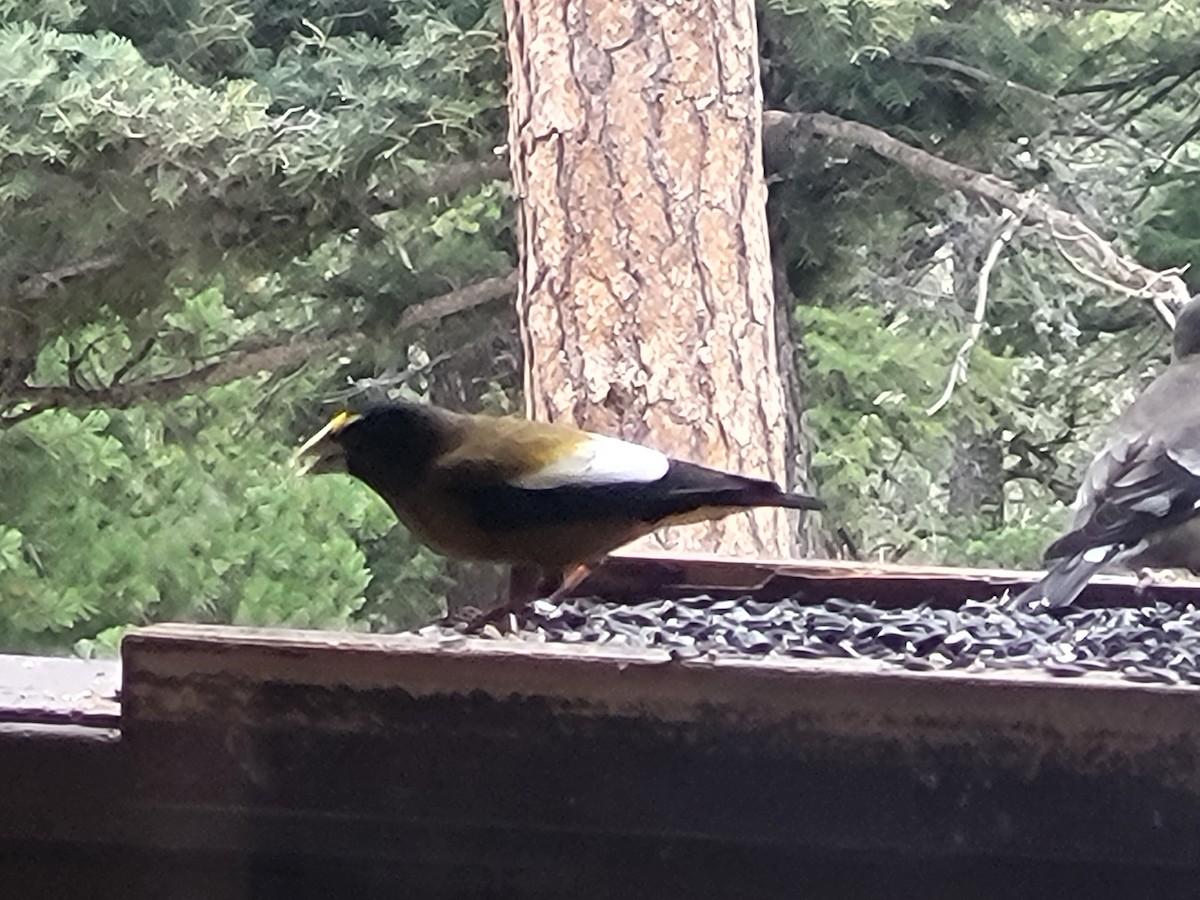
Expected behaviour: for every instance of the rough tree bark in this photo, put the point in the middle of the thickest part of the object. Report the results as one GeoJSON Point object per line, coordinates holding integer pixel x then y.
{"type": "Point", "coordinates": [645, 295]}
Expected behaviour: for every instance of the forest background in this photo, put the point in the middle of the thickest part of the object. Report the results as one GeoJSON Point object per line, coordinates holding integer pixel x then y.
{"type": "Point", "coordinates": [217, 219]}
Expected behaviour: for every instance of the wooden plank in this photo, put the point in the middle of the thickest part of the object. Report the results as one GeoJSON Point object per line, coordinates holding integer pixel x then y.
{"type": "Point", "coordinates": [291, 732]}
{"type": "Point", "coordinates": [52, 690]}
{"type": "Point", "coordinates": [61, 783]}
{"type": "Point", "coordinates": [292, 764]}
{"type": "Point", "coordinates": [645, 576]}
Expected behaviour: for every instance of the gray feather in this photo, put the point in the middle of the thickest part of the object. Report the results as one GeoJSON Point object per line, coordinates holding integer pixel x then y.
{"type": "Point", "coordinates": [1064, 581]}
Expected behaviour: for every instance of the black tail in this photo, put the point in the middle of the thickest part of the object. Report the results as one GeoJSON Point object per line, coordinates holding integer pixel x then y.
{"type": "Point", "coordinates": [795, 501]}
{"type": "Point", "coordinates": [751, 493]}
{"type": "Point", "coordinates": [688, 486]}
{"type": "Point", "coordinates": [1065, 581]}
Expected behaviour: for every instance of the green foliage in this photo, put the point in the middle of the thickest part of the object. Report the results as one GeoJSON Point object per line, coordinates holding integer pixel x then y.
{"type": "Point", "coordinates": [894, 63]}
{"type": "Point", "coordinates": [183, 180]}
{"type": "Point", "coordinates": [190, 511]}
{"type": "Point", "coordinates": [1052, 366]}
{"type": "Point", "coordinates": [249, 165]}
{"type": "Point", "coordinates": [877, 454]}
{"type": "Point", "coordinates": [1171, 236]}
{"type": "Point", "coordinates": [136, 516]}
{"type": "Point", "coordinates": [885, 265]}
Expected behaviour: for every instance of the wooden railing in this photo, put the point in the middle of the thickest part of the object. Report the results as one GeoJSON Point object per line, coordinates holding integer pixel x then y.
{"type": "Point", "coordinates": [251, 763]}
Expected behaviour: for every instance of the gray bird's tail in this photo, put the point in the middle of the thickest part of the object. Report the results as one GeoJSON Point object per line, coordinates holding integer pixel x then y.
{"type": "Point", "coordinates": [1063, 582]}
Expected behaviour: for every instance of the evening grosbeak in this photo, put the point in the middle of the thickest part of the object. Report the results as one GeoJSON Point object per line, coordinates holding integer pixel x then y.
{"type": "Point", "coordinates": [546, 498]}
{"type": "Point", "coordinates": [1137, 505]}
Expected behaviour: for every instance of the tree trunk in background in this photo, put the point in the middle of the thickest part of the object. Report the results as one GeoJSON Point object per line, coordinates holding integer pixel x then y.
{"type": "Point", "coordinates": [976, 489]}
{"type": "Point", "coordinates": [808, 535]}
{"type": "Point", "coordinates": [646, 300]}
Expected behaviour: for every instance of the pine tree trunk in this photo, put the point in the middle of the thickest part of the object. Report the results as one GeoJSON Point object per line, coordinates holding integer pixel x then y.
{"type": "Point", "coordinates": [807, 535]}
{"type": "Point", "coordinates": [646, 301]}
{"type": "Point", "coordinates": [977, 477]}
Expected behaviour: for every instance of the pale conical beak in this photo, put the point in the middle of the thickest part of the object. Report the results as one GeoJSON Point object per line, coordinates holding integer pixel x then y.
{"type": "Point", "coordinates": [321, 453]}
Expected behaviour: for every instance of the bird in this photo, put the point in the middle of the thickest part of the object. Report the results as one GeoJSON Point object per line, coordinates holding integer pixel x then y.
{"type": "Point", "coordinates": [547, 498]}
{"type": "Point", "coordinates": [1139, 503]}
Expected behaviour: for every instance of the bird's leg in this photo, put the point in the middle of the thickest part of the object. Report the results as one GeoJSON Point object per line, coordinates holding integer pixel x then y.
{"type": "Point", "coordinates": [526, 580]}
{"type": "Point", "coordinates": [572, 578]}
{"type": "Point", "coordinates": [523, 587]}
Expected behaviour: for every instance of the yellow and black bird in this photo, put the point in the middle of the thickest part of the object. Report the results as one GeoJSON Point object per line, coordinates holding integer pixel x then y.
{"type": "Point", "coordinates": [546, 498]}
{"type": "Point", "coordinates": [1139, 504]}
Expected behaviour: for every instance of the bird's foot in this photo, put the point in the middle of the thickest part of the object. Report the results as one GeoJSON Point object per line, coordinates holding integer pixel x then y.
{"type": "Point", "coordinates": [1148, 577]}
{"type": "Point", "coordinates": [506, 618]}
{"type": "Point", "coordinates": [457, 617]}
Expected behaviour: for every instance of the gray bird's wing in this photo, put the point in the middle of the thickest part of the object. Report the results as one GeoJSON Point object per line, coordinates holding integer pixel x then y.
{"type": "Point", "coordinates": [1146, 478]}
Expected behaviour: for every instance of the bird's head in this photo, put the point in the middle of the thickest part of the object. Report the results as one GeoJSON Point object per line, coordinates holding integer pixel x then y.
{"type": "Point", "coordinates": [389, 445]}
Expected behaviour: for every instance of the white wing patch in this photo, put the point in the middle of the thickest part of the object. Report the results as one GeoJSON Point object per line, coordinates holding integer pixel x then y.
{"type": "Point", "coordinates": [598, 460]}
{"type": "Point", "coordinates": [1154, 505]}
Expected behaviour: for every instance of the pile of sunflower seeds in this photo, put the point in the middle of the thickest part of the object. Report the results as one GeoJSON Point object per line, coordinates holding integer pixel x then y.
{"type": "Point", "coordinates": [1158, 643]}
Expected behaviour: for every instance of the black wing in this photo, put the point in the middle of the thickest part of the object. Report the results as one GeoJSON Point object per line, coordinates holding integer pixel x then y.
{"type": "Point", "coordinates": [685, 488]}
{"type": "Point", "coordinates": [1132, 490]}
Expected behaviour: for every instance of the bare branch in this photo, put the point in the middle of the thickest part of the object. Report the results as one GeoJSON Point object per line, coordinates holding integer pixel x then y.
{"type": "Point", "coordinates": [448, 179]}
{"type": "Point", "coordinates": [1097, 129]}
{"type": "Point", "coordinates": [464, 298]}
{"type": "Point", "coordinates": [958, 369]}
{"type": "Point", "coordinates": [77, 359]}
{"type": "Point", "coordinates": [977, 74]}
{"type": "Point", "coordinates": [1064, 241]}
{"type": "Point", "coordinates": [232, 367]}
{"type": "Point", "coordinates": [244, 363]}
{"type": "Point", "coordinates": [389, 380]}
{"type": "Point", "coordinates": [1168, 158]}
{"type": "Point", "coordinates": [1070, 8]}
{"type": "Point", "coordinates": [7, 421]}
{"type": "Point", "coordinates": [1179, 69]}
{"type": "Point", "coordinates": [39, 285]}
{"type": "Point", "coordinates": [1102, 260]}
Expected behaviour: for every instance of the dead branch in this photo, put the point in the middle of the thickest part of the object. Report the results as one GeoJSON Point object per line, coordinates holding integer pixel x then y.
{"type": "Point", "coordinates": [1097, 129]}
{"type": "Point", "coordinates": [958, 369]}
{"type": "Point", "coordinates": [1090, 251]}
{"type": "Point", "coordinates": [977, 74]}
{"type": "Point", "coordinates": [134, 360]}
{"type": "Point", "coordinates": [40, 284]}
{"type": "Point", "coordinates": [460, 300]}
{"type": "Point", "coordinates": [1179, 69]}
{"type": "Point", "coordinates": [241, 364]}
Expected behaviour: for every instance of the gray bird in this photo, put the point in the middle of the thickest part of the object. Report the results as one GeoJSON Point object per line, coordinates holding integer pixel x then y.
{"type": "Point", "coordinates": [1138, 503]}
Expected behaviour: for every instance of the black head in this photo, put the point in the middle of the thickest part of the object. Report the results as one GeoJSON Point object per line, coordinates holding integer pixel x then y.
{"type": "Point", "coordinates": [389, 446]}
{"type": "Point", "coordinates": [1186, 341]}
